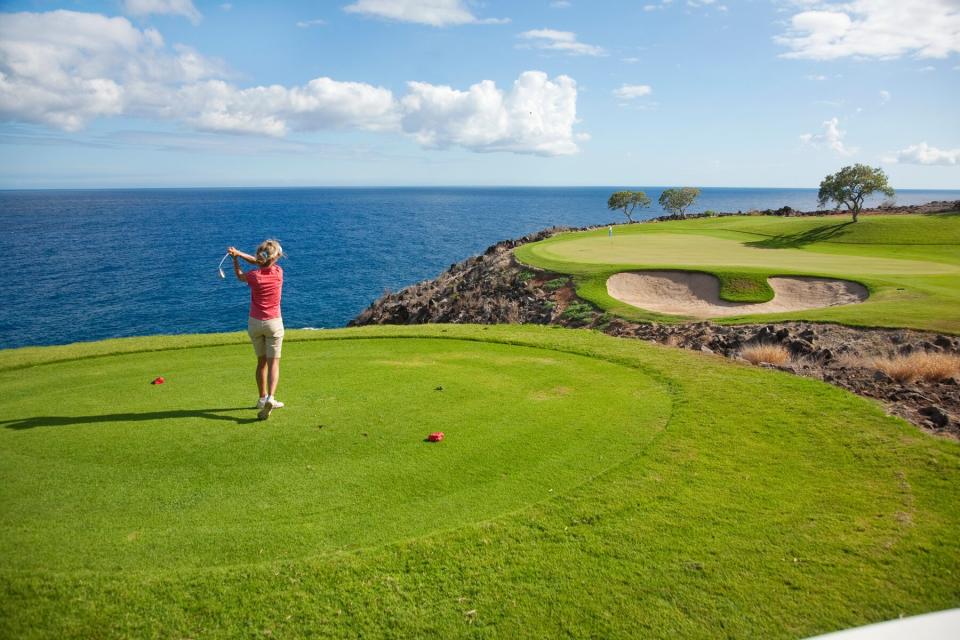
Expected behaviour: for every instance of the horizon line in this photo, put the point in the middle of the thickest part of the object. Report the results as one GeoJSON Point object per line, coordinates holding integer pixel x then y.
{"type": "Point", "coordinates": [425, 186]}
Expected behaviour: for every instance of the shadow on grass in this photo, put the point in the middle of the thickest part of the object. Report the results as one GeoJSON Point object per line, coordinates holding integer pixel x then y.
{"type": "Point", "coordinates": [66, 421]}
{"type": "Point", "coordinates": [797, 240]}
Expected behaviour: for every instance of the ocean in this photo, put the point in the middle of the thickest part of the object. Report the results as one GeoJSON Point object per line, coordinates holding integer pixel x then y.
{"type": "Point", "coordinates": [92, 264]}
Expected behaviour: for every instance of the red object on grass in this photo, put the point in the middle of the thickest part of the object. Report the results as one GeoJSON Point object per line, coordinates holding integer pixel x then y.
{"type": "Point", "coordinates": [435, 437]}
{"type": "Point", "coordinates": [159, 380]}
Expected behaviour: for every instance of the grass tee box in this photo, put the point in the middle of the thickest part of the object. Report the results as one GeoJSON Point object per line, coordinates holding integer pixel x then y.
{"type": "Point", "coordinates": [909, 263]}
{"type": "Point", "coordinates": [585, 486]}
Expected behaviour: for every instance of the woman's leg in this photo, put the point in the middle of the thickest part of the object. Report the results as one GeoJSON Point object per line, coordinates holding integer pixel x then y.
{"type": "Point", "coordinates": [262, 376]}
{"type": "Point", "coordinates": [274, 375]}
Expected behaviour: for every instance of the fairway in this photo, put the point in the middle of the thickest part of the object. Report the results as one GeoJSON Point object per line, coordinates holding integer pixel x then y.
{"type": "Point", "coordinates": [909, 263]}
{"type": "Point", "coordinates": [683, 493]}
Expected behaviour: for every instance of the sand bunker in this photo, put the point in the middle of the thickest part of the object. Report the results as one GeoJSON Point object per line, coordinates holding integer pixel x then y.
{"type": "Point", "coordinates": [698, 294]}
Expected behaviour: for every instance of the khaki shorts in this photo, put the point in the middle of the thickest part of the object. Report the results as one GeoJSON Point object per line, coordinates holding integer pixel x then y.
{"type": "Point", "coordinates": [267, 336]}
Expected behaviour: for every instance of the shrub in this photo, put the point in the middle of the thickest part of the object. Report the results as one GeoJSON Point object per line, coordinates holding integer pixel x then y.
{"type": "Point", "coordinates": [604, 321]}
{"type": "Point", "coordinates": [920, 365]}
{"type": "Point", "coordinates": [556, 283]}
{"type": "Point", "coordinates": [768, 353]}
{"type": "Point", "coordinates": [525, 275]}
{"type": "Point", "coordinates": [578, 312]}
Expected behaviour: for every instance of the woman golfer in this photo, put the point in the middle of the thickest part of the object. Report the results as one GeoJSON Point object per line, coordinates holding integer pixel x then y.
{"type": "Point", "coordinates": [265, 325]}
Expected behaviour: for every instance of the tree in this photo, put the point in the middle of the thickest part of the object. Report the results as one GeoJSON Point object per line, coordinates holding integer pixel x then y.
{"type": "Point", "coordinates": [676, 201]}
{"type": "Point", "coordinates": [851, 185]}
{"type": "Point", "coordinates": [628, 201]}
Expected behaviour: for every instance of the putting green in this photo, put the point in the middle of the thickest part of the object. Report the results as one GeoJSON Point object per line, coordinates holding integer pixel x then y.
{"type": "Point", "coordinates": [125, 475]}
{"type": "Point", "coordinates": [909, 263]}
{"type": "Point", "coordinates": [587, 487]}
{"type": "Point", "coordinates": [709, 251]}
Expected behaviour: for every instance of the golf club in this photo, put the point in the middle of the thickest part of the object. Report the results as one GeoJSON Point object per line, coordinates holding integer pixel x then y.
{"type": "Point", "coordinates": [223, 276]}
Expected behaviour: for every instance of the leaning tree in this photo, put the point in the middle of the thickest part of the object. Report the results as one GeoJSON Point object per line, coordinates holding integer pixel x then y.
{"type": "Point", "coordinates": [851, 185]}
{"type": "Point", "coordinates": [628, 201]}
{"type": "Point", "coordinates": [676, 201]}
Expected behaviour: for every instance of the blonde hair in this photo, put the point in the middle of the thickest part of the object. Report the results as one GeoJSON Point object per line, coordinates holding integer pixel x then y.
{"type": "Point", "coordinates": [269, 252]}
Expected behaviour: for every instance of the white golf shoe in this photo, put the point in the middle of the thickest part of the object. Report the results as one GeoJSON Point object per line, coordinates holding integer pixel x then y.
{"type": "Point", "coordinates": [268, 406]}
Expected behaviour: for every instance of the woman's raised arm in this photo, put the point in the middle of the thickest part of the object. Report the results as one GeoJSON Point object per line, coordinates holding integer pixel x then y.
{"type": "Point", "coordinates": [236, 253]}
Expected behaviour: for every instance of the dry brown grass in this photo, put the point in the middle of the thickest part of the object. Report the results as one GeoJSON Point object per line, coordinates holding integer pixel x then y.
{"type": "Point", "coordinates": [769, 353]}
{"type": "Point", "coordinates": [919, 366]}
{"type": "Point", "coordinates": [851, 361]}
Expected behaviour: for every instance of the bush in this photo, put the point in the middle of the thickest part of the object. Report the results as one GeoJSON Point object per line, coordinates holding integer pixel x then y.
{"type": "Point", "coordinates": [768, 353]}
{"type": "Point", "coordinates": [578, 312]}
{"type": "Point", "coordinates": [930, 367]}
{"type": "Point", "coordinates": [556, 283]}
{"type": "Point", "coordinates": [604, 321]}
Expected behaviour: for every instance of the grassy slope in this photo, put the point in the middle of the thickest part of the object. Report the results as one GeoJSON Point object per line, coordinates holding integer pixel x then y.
{"type": "Point", "coordinates": [765, 505]}
{"type": "Point", "coordinates": [911, 264]}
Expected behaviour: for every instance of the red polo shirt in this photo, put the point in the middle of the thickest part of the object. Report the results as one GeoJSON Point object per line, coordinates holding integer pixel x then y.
{"type": "Point", "coordinates": [266, 285]}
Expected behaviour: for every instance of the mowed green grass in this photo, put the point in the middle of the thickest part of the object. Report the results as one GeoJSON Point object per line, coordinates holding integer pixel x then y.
{"type": "Point", "coordinates": [909, 263]}
{"type": "Point", "coordinates": [588, 486]}
{"type": "Point", "coordinates": [345, 466]}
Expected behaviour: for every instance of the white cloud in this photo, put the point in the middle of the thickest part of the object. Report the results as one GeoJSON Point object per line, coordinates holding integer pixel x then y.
{"type": "Point", "coordinates": [143, 8]}
{"type": "Point", "coordinates": [560, 4]}
{"type": "Point", "coordinates": [632, 60]}
{"type": "Point", "coordinates": [306, 24]}
{"type": "Point", "coordinates": [706, 5]}
{"type": "Point", "coordinates": [630, 91]}
{"type": "Point", "coordinates": [226, 6]}
{"type": "Point", "coordinates": [873, 29]}
{"type": "Point", "coordinates": [437, 13]}
{"type": "Point", "coordinates": [275, 110]}
{"type": "Point", "coordinates": [816, 77]}
{"type": "Point", "coordinates": [832, 138]}
{"type": "Point", "coordinates": [884, 96]}
{"type": "Point", "coordinates": [925, 154]}
{"type": "Point", "coordinates": [64, 69]}
{"type": "Point", "coordinates": [536, 116]}
{"type": "Point", "coordinates": [563, 41]}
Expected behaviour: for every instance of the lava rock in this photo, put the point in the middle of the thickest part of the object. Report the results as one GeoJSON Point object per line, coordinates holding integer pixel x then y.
{"type": "Point", "coordinates": [943, 342]}
{"type": "Point", "coordinates": [799, 347]}
{"type": "Point", "coordinates": [936, 415]}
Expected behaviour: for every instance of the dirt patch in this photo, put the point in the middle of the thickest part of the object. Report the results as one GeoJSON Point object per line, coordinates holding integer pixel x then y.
{"type": "Point", "coordinates": [551, 394]}
{"type": "Point", "coordinates": [697, 295]}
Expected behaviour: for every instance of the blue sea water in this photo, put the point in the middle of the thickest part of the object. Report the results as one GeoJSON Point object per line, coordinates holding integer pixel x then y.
{"type": "Point", "coordinates": [94, 264]}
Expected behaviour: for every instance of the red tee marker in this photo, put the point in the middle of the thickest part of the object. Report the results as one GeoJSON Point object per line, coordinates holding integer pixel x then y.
{"type": "Point", "coordinates": [159, 380]}
{"type": "Point", "coordinates": [435, 437]}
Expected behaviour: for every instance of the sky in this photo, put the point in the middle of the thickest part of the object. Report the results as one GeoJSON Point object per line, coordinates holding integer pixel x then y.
{"type": "Point", "coordinates": [710, 93]}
